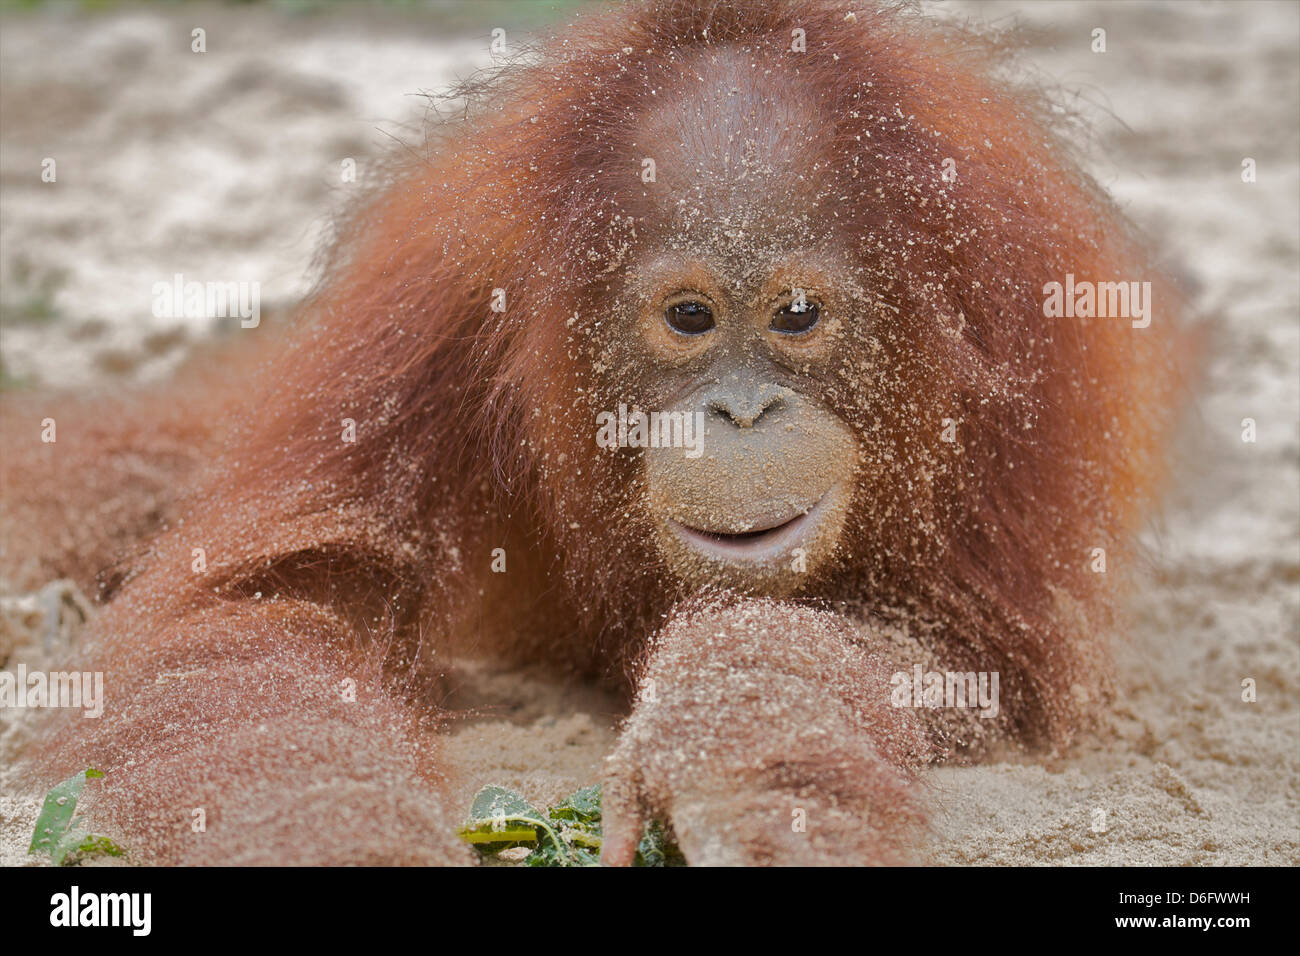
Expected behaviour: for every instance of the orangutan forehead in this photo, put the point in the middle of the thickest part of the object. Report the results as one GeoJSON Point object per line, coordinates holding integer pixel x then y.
{"type": "Point", "coordinates": [731, 147]}
{"type": "Point", "coordinates": [733, 116]}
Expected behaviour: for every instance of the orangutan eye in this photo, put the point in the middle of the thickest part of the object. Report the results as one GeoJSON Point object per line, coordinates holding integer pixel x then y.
{"type": "Point", "coordinates": [689, 318]}
{"type": "Point", "coordinates": [799, 316]}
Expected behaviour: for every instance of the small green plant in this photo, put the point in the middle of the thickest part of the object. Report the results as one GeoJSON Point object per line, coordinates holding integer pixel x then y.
{"type": "Point", "coordinates": [58, 832]}
{"type": "Point", "coordinates": [567, 834]}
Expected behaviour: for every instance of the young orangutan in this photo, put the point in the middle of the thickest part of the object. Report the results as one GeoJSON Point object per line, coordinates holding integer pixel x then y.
{"type": "Point", "coordinates": [816, 239]}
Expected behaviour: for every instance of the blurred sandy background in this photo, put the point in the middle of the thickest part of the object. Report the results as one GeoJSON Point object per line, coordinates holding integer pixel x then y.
{"type": "Point", "coordinates": [226, 166]}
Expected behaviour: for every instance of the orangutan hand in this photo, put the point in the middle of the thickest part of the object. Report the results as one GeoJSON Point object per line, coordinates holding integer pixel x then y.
{"type": "Point", "coordinates": [763, 734]}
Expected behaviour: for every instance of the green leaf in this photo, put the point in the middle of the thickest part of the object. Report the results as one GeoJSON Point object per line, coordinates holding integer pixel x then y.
{"type": "Point", "coordinates": [655, 849]}
{"type": "Point", "coordinates": [568, 834]}
{"type": "Point", "coordinates": [581, 806]}
{"type": "Point", "coordinates": [500, 818]}
{"type": "Point", "coordinates": [577, 826]}
{"type": "Point", "coordinates": [486, 834]}
{"type": "Point", "coordinates": [57, 830]}
{"type": "Point", "coordinates": [493, 803]}
{"type": "Point", "coordinates": [100, 844]}
{"type": "Point", "coordinates": [56, 814]}
{"type": "Point", "coordinates": [555, 855]}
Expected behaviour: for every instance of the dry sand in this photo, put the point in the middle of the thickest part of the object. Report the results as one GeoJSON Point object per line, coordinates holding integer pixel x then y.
{"type": "Point", "coordinates": [227, 170]}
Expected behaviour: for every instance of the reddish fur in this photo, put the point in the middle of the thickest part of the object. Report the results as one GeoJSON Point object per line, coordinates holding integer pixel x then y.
{"type": "Point", "coordinates": [366, 556]}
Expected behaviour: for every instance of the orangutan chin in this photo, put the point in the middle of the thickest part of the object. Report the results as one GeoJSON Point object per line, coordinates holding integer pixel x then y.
{"type": "Point", "coordinates": [817, 229]}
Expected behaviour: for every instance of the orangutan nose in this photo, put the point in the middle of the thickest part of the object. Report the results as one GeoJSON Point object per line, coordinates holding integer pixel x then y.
{"type": "Point", "coordinates": [746, 403]}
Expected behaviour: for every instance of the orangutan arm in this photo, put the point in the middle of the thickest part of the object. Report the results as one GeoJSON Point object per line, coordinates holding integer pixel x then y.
{"type": "Point", "coordinates": [268, 720]}
{"type": "Point", "coordinates": [753, 718]}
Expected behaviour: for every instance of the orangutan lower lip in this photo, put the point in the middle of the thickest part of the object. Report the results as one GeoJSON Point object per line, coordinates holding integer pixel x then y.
{"type": "Point", "coordinates": [759, 545]}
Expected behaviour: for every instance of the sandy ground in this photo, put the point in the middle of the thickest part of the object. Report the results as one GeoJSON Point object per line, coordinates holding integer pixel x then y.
{"type": "Point", "coordinates": [227, 166]}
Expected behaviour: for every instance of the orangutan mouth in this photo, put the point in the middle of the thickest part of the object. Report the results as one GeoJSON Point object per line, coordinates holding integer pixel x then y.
{"type": "Point", "coordinates": [758, 544]}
